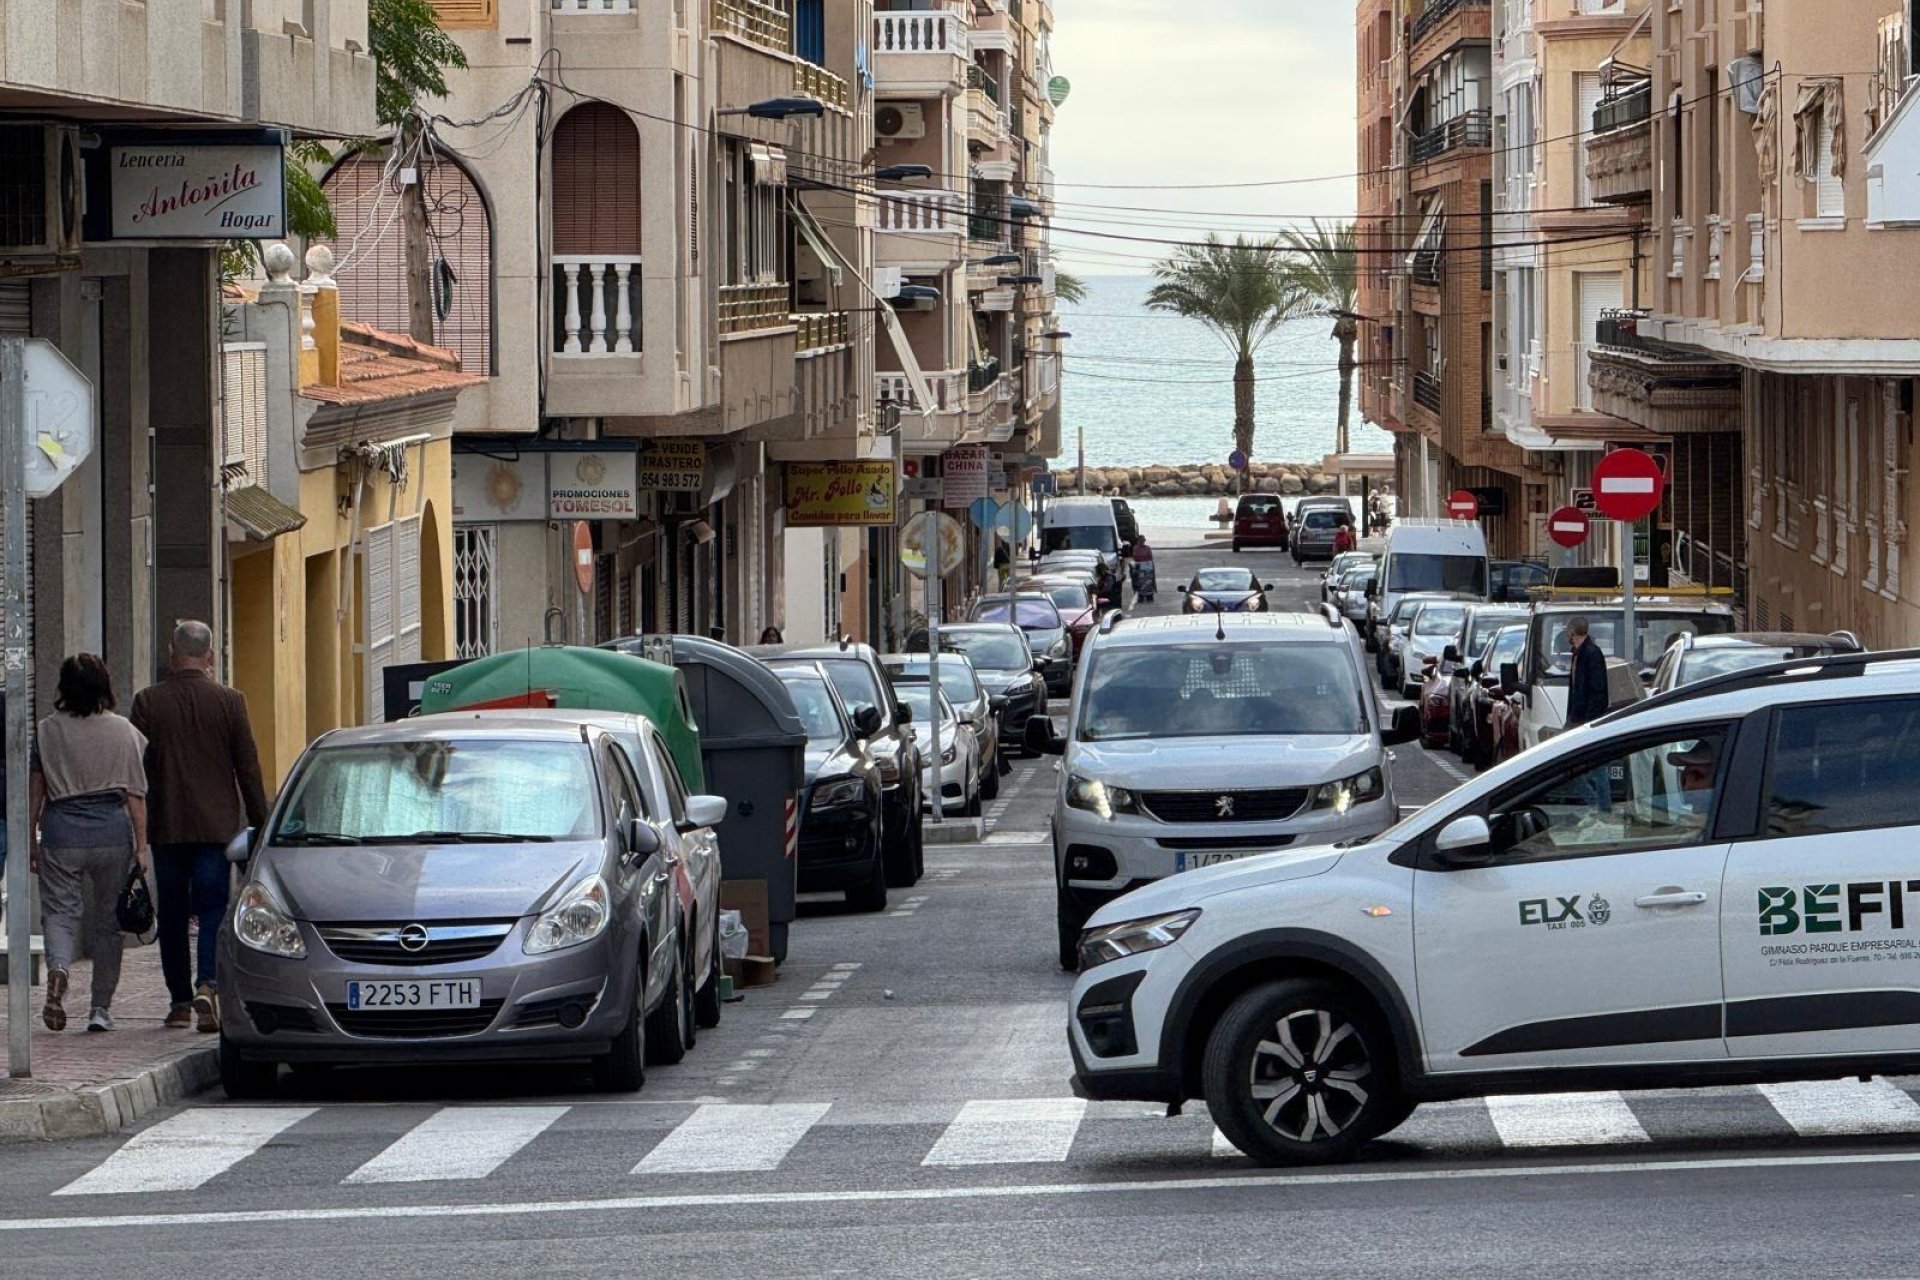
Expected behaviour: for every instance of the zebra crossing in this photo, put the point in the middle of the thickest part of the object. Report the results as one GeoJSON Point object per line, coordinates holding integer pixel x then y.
{"type": "Point", "coordinates": [217, 1146]}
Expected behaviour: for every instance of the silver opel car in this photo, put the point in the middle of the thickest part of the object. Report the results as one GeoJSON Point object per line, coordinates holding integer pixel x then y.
{"type": "Point", "coordinates": [481, 890]}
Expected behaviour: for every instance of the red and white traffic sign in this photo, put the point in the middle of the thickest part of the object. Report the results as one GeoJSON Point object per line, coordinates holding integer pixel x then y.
{"type": "Point", "coordinates": [1569, 527]}
{"type": "Point", "coordinates": [1627, 485]}
{"type": "Point", "coordinates": [1462, 505]}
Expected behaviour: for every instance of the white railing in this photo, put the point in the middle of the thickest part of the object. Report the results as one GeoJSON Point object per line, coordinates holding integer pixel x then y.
{"type": "Point", "coordinates": [949, 389]}
{"type": "Point", "coordinates": [596, 301]}
{"type": "Point", "coordinates": [1716, 245]}
{"type": "Point", "coordinates": [1046, 373]}
{"type": "Point", "coordinates": [1756, 248]}
{"type": "Point", "coordinates": [593, 6]}
{"type": "Point", "coordinates": [919, 211]}
{"type": "Point", "coordinates": [919, 31]}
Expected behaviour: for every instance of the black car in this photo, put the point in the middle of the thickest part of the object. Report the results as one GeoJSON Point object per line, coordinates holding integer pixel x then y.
{"type": "Point", "coordinates": [1045, 628]}
{"type": "Point", "coordinates": [862, 681]}
{"type": "Point", "coordinates": [1125, 520]}
{"type": "Point", "coordinates": [1512, 581]}
{"type": "Point", "coordinates": [1228, 590]}
{"type": "Point", "coordinates": [1004, 662]}
{"type": "Point", "coordinates": [842, 839]}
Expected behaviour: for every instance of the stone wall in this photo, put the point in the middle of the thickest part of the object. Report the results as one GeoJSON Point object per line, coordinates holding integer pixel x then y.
{"type": "Point", "coordinates": [1211, 480]}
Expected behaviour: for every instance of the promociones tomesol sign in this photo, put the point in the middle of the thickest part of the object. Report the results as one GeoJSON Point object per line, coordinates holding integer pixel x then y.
{"type": "Point", "coordinates": [829, 494]}
{"type": "Point", "coordinates": [199, 191]}
{"type": "Point", "coordinates": [592, 486]}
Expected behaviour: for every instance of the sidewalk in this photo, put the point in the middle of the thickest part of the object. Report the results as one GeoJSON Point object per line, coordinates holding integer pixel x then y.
{"type": "Point", "coordinates": [85, 1084]}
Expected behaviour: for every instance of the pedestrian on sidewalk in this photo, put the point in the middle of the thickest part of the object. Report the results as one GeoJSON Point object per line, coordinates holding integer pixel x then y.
{"type": "Point", "coordinates": [205, 774]}
{"type": "Point", "coordinates": [87, 793]}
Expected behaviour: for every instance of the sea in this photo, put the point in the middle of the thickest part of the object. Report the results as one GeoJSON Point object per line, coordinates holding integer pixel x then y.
{"type": "Point", "coordinates": [1152, 388]}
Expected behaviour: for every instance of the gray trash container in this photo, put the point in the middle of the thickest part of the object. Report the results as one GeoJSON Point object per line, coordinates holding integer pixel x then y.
{"type": "Point", "coordinates": [753, 747]}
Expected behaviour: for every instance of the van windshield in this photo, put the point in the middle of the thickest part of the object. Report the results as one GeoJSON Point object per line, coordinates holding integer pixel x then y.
{"type": "Point", "coordinates": [1079, 537]}
{"type": "Point", "coordinates": [1455, 575]}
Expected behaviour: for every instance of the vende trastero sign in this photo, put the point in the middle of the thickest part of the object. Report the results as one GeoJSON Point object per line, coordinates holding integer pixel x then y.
{"type": "Point", "coordinates": [194, 191]}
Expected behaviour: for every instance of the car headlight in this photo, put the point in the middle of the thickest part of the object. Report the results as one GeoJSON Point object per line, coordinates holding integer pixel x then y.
{"type": "Point", "coordinates": [949, 755]}
{"type": "Point", "coordinates": [1058, 649]}
{"type": "Point", "coordinates": [1097, 797]}
{"type": "Point", "coordinates": [1343, 795]}
{"type": "Point", "coordinates": [1131, 937]}
{"type": "Point", "coordinates": [840, 791]}
{"type": "Point", "coordinates": [580, 916]}
{"type": "Point", "coordinates": [261, 923]}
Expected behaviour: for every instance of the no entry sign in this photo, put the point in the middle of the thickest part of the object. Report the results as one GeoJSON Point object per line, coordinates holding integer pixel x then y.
{"type": "Point", "coordinates": [1627, 485]}
{"type": "Point", "coordinates": [1462, 505]}
{"type": "Point", "coordinates": [1569, 527]}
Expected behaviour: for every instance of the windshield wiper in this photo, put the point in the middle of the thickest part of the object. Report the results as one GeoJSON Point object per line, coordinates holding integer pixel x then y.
{"type": "Point", "coordinates": [466, 837]}
{"type": "Point", "coordinates": [317, 837]}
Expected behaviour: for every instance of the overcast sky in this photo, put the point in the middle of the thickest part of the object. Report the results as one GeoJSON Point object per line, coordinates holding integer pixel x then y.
{"type": "Point", "coordinates": [1198, 91]}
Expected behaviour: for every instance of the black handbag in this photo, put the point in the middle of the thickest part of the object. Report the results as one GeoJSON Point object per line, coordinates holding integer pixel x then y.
{"type": "Point", "coordinates": [135, 908]}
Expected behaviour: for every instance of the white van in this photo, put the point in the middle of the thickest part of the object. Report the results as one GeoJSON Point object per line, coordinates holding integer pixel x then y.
{"type": "Point", "coordinates": [1448, 556]}
{"type": "Point", "coordinates": [1081, 523]}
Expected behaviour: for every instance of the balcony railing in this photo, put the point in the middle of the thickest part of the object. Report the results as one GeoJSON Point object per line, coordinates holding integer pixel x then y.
{"type": "Point", "coordinates": [593, 6]}
{"type": "Point", "coordinates": [1629, 106]}
{"type": "Point", "coordinates": [981, 377]}
{"type": "Point", "coordinates": [818, 331]}
{"type": "Point", "coordinates": [755, 22]}
{"type": "Point", "coordinates": [1469, 129]}
{"type": "Point", "coordinates": [1426, 390]}
{"type": "Point", "coordinates": [1437, 12]}
{"type": "Point", "coordinates": [1620, 330]}
{"type": "Point", "coordinates": [818, 82]}
{"type": "Point", "coordinates": [977, 78]}
{"type": "Point", "coordinates": [595, 300]}
{"type": "Point", "coordinates": [920, 211]}
{"type": "Point", "coordinates": [949, 389]}
{"type": "Point", "coordinates": [746, 307]}
{"type": "Point", "coordinates": [919, 31]}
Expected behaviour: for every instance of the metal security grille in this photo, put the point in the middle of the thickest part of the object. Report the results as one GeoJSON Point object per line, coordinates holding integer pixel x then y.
{"type": "Point", "coordinates": [476, 624]}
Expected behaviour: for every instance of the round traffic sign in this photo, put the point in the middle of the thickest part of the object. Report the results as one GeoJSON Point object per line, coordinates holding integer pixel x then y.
{"type": "Point", "coordinates": [1569, 527]}
{"type": "Point", "coordinates": [1462, 505]}
{"type": "Point", "coordinates": [583, 556]}
{"type": "Point", "coordinates": [1237, 460]}
{"type": "Point", "coordinates": [1627, 485]}
{"type": "Point", "coordinates": [932, 534]}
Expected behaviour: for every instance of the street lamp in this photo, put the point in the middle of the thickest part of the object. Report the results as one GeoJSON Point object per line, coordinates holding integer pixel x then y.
{"type": "Point", "coordinates": [778, 108]}
{"type": "Point", "coordinates": [904, 173]}
{"type": "Point", "coordinates": [1001, 260]}
{"type": "Point", "coordinates": [1023, 280]}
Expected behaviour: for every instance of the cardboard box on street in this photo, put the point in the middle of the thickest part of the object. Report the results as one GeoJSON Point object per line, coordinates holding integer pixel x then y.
{"type": "Point", "coordinates": [749, 898]}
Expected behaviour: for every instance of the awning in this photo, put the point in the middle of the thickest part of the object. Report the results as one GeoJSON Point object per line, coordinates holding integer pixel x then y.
{"type": "Point", "coordinates": [816, 239]}
{"type": "Point", "coordinates": [1428, 240]}
{"type": "Point", "coordinates": [261, 516]}
{"type": "Point", "coordinates": [1021, 207]}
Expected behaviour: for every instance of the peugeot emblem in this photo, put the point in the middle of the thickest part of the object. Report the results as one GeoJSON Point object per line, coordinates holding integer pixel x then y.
{"type": "Point", "coordinates": [1223, 806]}
{"type": "Point", "coordinates": [414, 938]}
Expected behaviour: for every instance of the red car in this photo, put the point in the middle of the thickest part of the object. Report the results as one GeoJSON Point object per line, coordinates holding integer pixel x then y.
{"type": "Point", "coordinates": [1074, 598]}
{"type": "Point", "coordinates": [1436, 702]}
{"type": "Point", "coordinates": [1492, 731]}
{"type": "Point", "coordinates": [1259, 521]}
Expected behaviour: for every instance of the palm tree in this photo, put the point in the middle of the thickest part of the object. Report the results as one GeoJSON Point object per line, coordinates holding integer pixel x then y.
{"type": "Point", "coordinates": [1242, 292]}
{"type": "Point", "coordinates": [1325, 266]}
{"type": "Point", "coordinates": [1069, 288]}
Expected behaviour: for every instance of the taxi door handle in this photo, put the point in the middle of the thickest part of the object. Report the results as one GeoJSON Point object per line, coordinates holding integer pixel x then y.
{"type": "Point", "coordinates": [1671, 898]}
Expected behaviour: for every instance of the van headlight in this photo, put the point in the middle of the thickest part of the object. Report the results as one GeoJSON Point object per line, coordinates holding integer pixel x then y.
{"type": "Point", "coordinates": [262, 923]}
{"type": "Point", "coordinates": [1097, 797]}
{"type": "Point", "coordinates": [1131, 937]}
{"type": "Point", "coordinates": [581, 916]}
{"type": "Point", "coordinates": [1343, 795]}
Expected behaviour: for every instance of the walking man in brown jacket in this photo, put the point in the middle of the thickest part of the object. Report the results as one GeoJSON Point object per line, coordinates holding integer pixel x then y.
{"type": "Point", "coordinates": [203, 786]}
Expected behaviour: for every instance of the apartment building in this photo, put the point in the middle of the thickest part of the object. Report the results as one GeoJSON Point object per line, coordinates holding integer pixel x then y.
{"type": "Point", "coordinates": [120, 119]}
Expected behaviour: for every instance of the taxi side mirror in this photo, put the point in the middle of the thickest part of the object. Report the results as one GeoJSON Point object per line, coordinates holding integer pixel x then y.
{"type": "Point", "coordinates": [1467, 841]}
{"type": "Point", "coordinates": [1510, 675]}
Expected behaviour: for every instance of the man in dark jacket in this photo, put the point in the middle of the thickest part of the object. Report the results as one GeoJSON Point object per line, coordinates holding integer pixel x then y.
{"type": "Point", "coordinates": [1587, 700]}
{"type": "Point", "coordinates": [203, 779]}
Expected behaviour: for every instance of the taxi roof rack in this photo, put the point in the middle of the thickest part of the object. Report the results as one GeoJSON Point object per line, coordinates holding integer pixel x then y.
{"type": "Point", "coordinates": [1794, 671]}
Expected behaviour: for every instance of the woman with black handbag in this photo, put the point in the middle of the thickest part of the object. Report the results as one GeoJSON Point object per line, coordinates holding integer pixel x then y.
{"type": "Point", "coordinates": [88, 792]}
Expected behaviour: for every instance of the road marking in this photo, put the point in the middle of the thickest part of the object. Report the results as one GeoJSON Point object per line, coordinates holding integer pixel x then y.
{"type": "Point", "coordinates": [1009, 1131]}
{"type": "Point", "coordinates": [846, 968]}
{"type": "Point", "coordinates": [910, 1195]}
{"type": "Point", "coordinates": [186, 1151]}
{"type": "Point", "coordinates": [1564, 1119]}
{"type": "Point", "coordinates": [1018, 837]}
{"type": "Point", "coordinates": [1449, 768]}
{"type": "Point", "coordinates": [728, 1138]}
{"type": "Point", "coordinates": [1223, 1147]}
{"type": "Point", "coordinates": [815, 995]}
{"type": "Point", "coordinates": [458, 1142]}
{"type": "Point", "coordinates": [1823, 1108]}
{"type": "Point", "coordinates": [799, 1013]}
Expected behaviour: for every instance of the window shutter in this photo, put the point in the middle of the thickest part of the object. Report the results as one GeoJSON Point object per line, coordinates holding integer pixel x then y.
{"type": "Point", "coordinates": [243, 408]}
{"type": "Point", "coordinates": [16, 309]}
{"type": "Point", "coordinates": [406, 589]}
{"type": "Point", "coordinates": [456, 14]}
{"type": "Point", "coordinates": [596, 182]}
{"type": "Point", "coordinates": [1829, 192]}
{"type": "Point", "coordinates": [376, 570]}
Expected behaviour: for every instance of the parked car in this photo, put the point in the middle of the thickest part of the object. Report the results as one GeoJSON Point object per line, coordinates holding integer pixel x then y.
{"type": "Point", "coordinates": [1513, 581]}
{"type": "Point", "coordinates": [1697, 657]}
{"type": "Point", "coordinates": [1004, 661]}
{"type": "Point", "coordinates": [958, 780]}
{"type": "Point", "coordinates": [1314, 531]}
{"type": "Point", "coordinates": [969, 698]}
{"type": "Point", "coordinates": [1081, 523]}
{"type": "Point", "coordinates": [457, 892]}
{"type": "Point", "coordinates": [1435, 628]}
{"type": "Point", "coordinates": [1040, 622]}
{"type": "Point", "coordinates": [1460, 666]}
{"type": "Point", "coordinates": [862, 681]}
{"type": "Point", "coordinates": [1479, 739]}
{"type": "Point", "coordinates": [1225, 590]}
{"type": "Point", "coordinates": [1259, 520]}
{"type": "Point", "coordinates": [842, 807]}
{"type": "Point", "coordinates": [1073, 596]}
{"type": "Point", "coordinates": [1349, 595]}
{"type": "Point", "coordinates": [1389, 657]}
{"type": "Point", "coordinates": [1185, 750]}
{"type": "Point", "coordinates": [1337, 569]}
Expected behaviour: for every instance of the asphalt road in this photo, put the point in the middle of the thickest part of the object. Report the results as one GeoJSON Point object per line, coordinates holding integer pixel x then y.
{"type": "Point", "coordinates": [897, 1105]}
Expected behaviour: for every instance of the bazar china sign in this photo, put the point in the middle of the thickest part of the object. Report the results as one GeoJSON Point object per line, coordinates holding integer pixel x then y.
{"type": "Point", "coordinates": [825, 494]}
{"type": "Point", "coordinates": [191, 191]}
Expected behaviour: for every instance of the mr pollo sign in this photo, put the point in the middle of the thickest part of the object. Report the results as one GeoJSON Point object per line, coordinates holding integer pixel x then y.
{"type": "Point", "coordinates": [198, 191]}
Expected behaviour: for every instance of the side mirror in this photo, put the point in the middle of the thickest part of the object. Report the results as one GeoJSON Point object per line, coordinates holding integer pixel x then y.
{"type": "Point", "coordinates": [1452, 654]}
{"type": "Point", "coordinates": [998, 702]}
{"type": "Point", "coordinates": [1266, 586]}
{"type": "Point", "coordinates": [240, 848]}
{"type": "Point", "coordinates": [1510, 675]}
{"type": "Point", "coordinates": [1467, 841]}
{"type": "Point", "coordinates": [643, 840]}
{"type": "Point", "coordinates": [705, 811]}
{"type": "Point", "coordinates": [1404, 728]}
{"type": "Point", "coordinates": [866, 721]}
{"type": "Point", "coordinates": [902, 712]}
{"type": "Point", "coordinates": [1041, 738]}
{"type": "Point", "coordinates": [1477, 670]}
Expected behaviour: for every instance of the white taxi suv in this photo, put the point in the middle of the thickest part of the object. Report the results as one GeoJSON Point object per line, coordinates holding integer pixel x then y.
{"type": "Point", "coordinates": [1710, 887]}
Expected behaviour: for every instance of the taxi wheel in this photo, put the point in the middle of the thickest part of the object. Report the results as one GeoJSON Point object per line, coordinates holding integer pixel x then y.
{"type": "Point", "coordinates": [245, 1081]}
{"type": "Point", "coordinates": [623, 1068]}
{"type": "Point", "coordinates": [1301, 1072]}
{"type": "Point", "coordinates": [668, 1025]}
{"type": "Point", "coordinates": [706, 1000]}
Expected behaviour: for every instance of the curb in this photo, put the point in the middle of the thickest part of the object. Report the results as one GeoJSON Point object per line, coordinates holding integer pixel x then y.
{"type": "Point", "coordinates": [954, 831]}
{"type": "Point", "coordinates": [94, 1109]}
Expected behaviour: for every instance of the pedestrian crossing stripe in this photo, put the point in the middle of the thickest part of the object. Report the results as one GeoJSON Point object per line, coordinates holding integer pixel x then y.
{"type": "Point", "coordinates": [191, 1148]}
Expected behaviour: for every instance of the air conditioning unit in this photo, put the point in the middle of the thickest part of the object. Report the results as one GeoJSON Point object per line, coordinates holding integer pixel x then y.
{"type": "Point", "coordinates": [43, 217]}
{"type": "Point", "coordinates": [900, 120]}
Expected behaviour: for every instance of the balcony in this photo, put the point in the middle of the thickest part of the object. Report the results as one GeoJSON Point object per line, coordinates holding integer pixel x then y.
{"type": "Point", "coordinates": [949, 389]}
{"type": "Point", "coordinates": [745, 308]}
{"type": "Point", "coordinates": [819, 331]}
{"type": "Point", "coordinates": [1620, 164]}
{"type": "Point", "coordinates": [920, 51]}
{"type": "Point", "coordinates": [1426, 390]}
{"type": "Point", "coordinates": [818, 82]}
{"type": "Point", "coordinates": [1470, 129]}
{"type": "Point", "coordinates": [1659, 386]}
{"type": "Point", "coordinates": [1438, 15]}
{"type": "Point", "coordinates": [754, 22]}
{"type": "Point", "coordinates": [986, 118]}
{"type": "Point", "coordinates": [919, 229]}
{"type": "Point", "coordinates": [593, 6]}
{"type": "Point", "coordinates": [596, 303]}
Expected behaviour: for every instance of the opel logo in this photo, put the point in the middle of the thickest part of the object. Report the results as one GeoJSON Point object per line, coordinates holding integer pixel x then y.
{"type": "Point", "coordinates": [1223, 806]}
{"type": "Point", "coordinates": [414, 938]}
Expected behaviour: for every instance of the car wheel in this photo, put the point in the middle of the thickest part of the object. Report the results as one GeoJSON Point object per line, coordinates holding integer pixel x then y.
{"type": "Point", "coordinates": [972, 808]}
{"type": "Point", "coordinates": [667, 1025]}
{"type": "Point", "coordinates": [706, 999]}
{"type": "Point", "coordinates": [623, 1067]}
{"type": "Point", "coordinates": [1072, 920]}
{"type": "Point", "coordinates": [1392, 1117]}
{"type": "Point", "coordinates": [1300, 1072]}
{"type": "Point", "coordinates": [919, 838]}
{"type": "Point", "coordinates": [1236, 547]}
{"type": "Point", "coordinates": [872, 894]}
{"type": "Point", "coordinates": [990, 785]}
{"type": "Point", "coordinates": [245, 1081]}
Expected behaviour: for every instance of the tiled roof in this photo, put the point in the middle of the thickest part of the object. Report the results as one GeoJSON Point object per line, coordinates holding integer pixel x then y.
{"type": "Point", "coordinates": [260, 515]}
{"type": "Point", "coordinates": [377, 366]}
